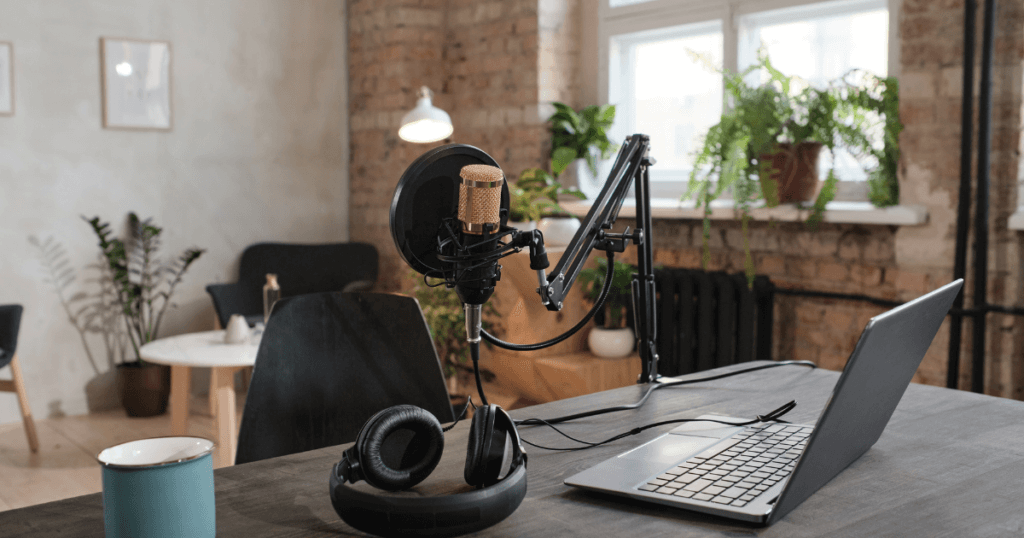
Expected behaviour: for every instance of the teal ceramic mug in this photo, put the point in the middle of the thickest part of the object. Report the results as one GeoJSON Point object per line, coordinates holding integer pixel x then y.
{"type": "Point", "coordinates": [159, 488]}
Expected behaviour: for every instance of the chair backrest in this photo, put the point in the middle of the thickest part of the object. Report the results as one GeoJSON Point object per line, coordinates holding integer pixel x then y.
{"type": "Point", "coordinates": [10, 321]}
{"type": "Point", "coordinates": [300, 269]}
{"type": "Point", "coordinates": [329, 361]}
{"type": "Point", "coordinates": [305, 269]}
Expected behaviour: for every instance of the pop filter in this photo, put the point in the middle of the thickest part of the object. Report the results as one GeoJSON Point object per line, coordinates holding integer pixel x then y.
{"type": "Point", "coordinates": [428, 193]}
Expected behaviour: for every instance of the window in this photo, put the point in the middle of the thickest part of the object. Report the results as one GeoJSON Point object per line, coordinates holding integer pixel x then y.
{"type": "Point", "coordinates": [662, 90]}
{"type": "Point", "coordinates": [667, 91]}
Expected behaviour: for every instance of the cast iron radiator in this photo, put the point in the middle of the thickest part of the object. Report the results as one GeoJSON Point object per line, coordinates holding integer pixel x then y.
{"type": "Point", "coordinates": [711, 319]}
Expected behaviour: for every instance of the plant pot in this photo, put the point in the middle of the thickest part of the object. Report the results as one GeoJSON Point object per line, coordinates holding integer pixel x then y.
{"type": "Point", "coordinates": [144, 388]}
{"type": "Point", "coordinates": [558, 231]}
{"type": "Point", "coordinates": [524, 226]}
{"type": "Point", "coordinates": [611, 343]}
{"type": "Point", "coordinates": [789, 174]}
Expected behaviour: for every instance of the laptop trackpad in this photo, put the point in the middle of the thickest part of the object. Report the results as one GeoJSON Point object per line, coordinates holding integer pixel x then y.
{"type": "Point", "coordinates": [669, 449]}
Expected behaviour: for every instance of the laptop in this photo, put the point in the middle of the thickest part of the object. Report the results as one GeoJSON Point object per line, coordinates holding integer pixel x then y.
{"type": "Point", "coordinates": [760, 473]}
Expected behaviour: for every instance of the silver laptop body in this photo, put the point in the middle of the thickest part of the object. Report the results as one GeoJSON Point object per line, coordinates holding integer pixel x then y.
{"type": "Point", "coordinates": [760, 473]}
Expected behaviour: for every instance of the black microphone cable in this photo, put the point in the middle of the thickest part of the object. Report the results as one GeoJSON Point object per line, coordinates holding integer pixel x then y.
{"type": "Point", "coordinates": [651, 389]}
{"type": "Point", "coordinates": [771, 416]}
{"type": "Point", "coordinates": [474, 353]}
{"type": "Point", "coordinates": [574, 329]}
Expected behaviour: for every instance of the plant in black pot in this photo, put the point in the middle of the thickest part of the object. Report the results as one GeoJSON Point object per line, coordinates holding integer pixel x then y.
{"type": "Point", "coordinates": [143, 287]}
{"type": "Point", "coordinates": [610, 337]}
{"type": "Point", "coordinates": [768, 140]}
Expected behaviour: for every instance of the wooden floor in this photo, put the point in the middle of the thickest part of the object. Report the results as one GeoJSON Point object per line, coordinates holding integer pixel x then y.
{"type": "Point", "coordinates": [66, 463]}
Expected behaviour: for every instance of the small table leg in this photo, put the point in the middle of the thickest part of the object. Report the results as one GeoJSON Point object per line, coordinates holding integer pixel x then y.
{"type": "Point", "coordinates": [222, 380]}
{"type": "Point", "coordinates": [181, 384]}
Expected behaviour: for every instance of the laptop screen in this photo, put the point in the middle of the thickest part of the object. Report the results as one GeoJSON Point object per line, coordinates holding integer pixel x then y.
{"type": "Point", "coordinates": [872, 384]}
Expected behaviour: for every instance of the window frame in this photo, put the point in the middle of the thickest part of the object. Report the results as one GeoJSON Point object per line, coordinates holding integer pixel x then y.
{"type": "Point", "coordinates": [654, 15]}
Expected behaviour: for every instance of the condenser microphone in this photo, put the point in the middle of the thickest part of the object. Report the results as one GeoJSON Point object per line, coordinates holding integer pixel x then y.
{"type": "Point", "coordinates": [480, 214]}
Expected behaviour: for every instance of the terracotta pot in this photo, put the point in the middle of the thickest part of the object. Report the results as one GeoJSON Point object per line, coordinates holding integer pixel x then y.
{"type": "Point", "coordinates": [792, 173]}
{"type": "Point", "coordinates": [144, 388]}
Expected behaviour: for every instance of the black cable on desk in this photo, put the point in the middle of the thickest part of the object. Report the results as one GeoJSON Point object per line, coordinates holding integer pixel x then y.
{"type": "Point", "coordinates": [771, 416]}
{"type": "Point", "coordinates": [643, 399]}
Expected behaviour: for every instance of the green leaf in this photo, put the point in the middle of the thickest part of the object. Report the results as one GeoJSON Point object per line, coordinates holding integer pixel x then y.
{"type": "Point", "coordinates": [561, 158]}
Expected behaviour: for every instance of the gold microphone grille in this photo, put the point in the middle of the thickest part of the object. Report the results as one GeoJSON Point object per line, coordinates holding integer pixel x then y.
{"type": "Point", "coordinates": [480, 196]}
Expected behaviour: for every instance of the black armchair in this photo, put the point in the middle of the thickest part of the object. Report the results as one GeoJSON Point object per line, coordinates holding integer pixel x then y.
{"type": "Point", "coordinates": [10, 322]}
{"type": "Point", "coordinates": [300, 269]}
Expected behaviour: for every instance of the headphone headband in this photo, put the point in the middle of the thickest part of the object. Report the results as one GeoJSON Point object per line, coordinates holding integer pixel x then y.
{"type": "Point", "coordinates": [448, 515]}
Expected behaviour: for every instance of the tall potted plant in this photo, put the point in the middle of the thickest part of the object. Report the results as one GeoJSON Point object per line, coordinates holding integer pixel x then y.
{"type": "Point", "coordinates": [610, 337]}
{"type": "Point", "coordinates": [143, 287]}
{"type": "Point", "coordinates": [767, 143]}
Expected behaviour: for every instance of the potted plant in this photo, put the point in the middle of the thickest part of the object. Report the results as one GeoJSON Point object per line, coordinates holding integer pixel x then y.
{"type": "Point", "coordinates": [535, 195]}
{"type": "Point", "coordinates": [446, 320]}
{"type": "Point", "coordinates": [767, 143]}
{"type": "Point", "coordinates": [580, 135]}
{"type": "Point", "coordinates": [143, 287]}
{"type": "Point", "coordinates": [610, 336]}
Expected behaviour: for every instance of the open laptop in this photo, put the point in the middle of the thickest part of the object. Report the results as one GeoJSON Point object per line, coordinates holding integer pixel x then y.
{"type": "Point", "coordinates": [760, 473]}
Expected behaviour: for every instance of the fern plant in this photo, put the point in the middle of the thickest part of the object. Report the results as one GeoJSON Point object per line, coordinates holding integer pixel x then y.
{"type": "Point", "coordinates": [143, 285]}
{"type": "Point", "coordinates": [760, 118]}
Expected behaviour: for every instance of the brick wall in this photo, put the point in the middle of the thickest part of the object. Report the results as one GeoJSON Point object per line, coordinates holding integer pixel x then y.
{"type": "Point", "coordinates": [496, 65]}
{"type": "Point", "coordinates": [480, 59]}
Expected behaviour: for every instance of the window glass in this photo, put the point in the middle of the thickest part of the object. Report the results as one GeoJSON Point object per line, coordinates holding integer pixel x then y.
{"type": "Point", "coordinates": [665, 87]}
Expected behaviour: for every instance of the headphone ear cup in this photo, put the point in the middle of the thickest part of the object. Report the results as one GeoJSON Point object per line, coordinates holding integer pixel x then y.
{"type": "Point", "coordinates": [485, 450]}
{"type": "Point", "coordinates": [399, 447]}
{"type": "Point", "coordinates": [478, 429]}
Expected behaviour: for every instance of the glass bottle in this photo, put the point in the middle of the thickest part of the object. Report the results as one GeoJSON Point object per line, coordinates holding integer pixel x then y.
{"type": "Point", "coordinates": [271, 293]}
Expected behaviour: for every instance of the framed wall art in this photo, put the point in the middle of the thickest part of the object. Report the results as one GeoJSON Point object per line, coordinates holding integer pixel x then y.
{"type": "Point", "coordinates": [6, 79]}
{"type": "Point", "coordinates": [136, 78]}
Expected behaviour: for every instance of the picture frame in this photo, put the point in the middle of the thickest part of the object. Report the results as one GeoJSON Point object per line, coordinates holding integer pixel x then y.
{"type": "Point", "coordinates": [135, 80]}
{"type": "Point", "coordinates": [6, 78]}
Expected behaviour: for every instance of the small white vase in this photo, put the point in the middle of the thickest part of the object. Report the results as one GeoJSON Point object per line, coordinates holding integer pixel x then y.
{"type": "Point", "coordinates": [558, 231]}
{"type": "Point", "coordinates": [611, 343]}
{"type": "Point", "coordinates": [237, 331]}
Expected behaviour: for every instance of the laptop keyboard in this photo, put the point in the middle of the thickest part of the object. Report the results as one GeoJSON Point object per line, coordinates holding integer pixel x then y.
{"type": "Point", "coordinates": [737, 470]}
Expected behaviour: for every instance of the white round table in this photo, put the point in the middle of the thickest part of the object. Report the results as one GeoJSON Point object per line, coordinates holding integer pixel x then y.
{"type": "Point", "coordinates": [204, 350]}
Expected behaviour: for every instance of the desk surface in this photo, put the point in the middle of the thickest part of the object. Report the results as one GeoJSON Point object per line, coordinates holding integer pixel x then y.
{"type": "Point", "coordinates": [949, 464]}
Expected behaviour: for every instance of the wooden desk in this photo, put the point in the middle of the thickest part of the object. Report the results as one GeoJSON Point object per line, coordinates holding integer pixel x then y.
{"type": "Point", "coordinates": [949, 464]}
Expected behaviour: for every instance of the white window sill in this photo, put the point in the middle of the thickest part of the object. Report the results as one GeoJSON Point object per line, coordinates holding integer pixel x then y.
{"type": "Point", "coordinates": [1016, 221]}
{"type": "Point", "coordinates": [835, 212]}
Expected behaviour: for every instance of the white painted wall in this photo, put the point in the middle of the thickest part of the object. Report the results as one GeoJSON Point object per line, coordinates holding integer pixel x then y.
{"type": "Point", "coordinates": [258, 152]}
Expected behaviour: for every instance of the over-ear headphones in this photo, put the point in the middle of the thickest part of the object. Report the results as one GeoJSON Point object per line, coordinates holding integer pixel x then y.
{"type": "Point", "coordinates": [400, 446]}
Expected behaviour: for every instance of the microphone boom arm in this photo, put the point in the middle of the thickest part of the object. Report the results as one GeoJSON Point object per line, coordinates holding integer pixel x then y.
{"type": "Point", "coordinates": [631, 166]}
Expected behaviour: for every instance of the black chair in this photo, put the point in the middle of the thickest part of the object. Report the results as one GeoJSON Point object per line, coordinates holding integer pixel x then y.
{"type": "Point", "coordinates": [328, 362]}
{"type": "Point", "coordinates": [10, 322]}
{"type": "Point", "coordinates": [300, 269]}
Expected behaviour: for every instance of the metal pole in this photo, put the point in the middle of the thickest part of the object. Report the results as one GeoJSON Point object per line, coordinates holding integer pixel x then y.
{"type": "Point", "coordinates": [964, 205]}
{"type": "Point", "coordinates": [643, 280]}
{"type": "Point", "coordinates": [981, 209]}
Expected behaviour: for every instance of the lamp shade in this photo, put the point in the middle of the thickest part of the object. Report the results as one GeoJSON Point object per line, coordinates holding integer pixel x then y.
{"type": "Point", "coordinates": [425, 123]}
